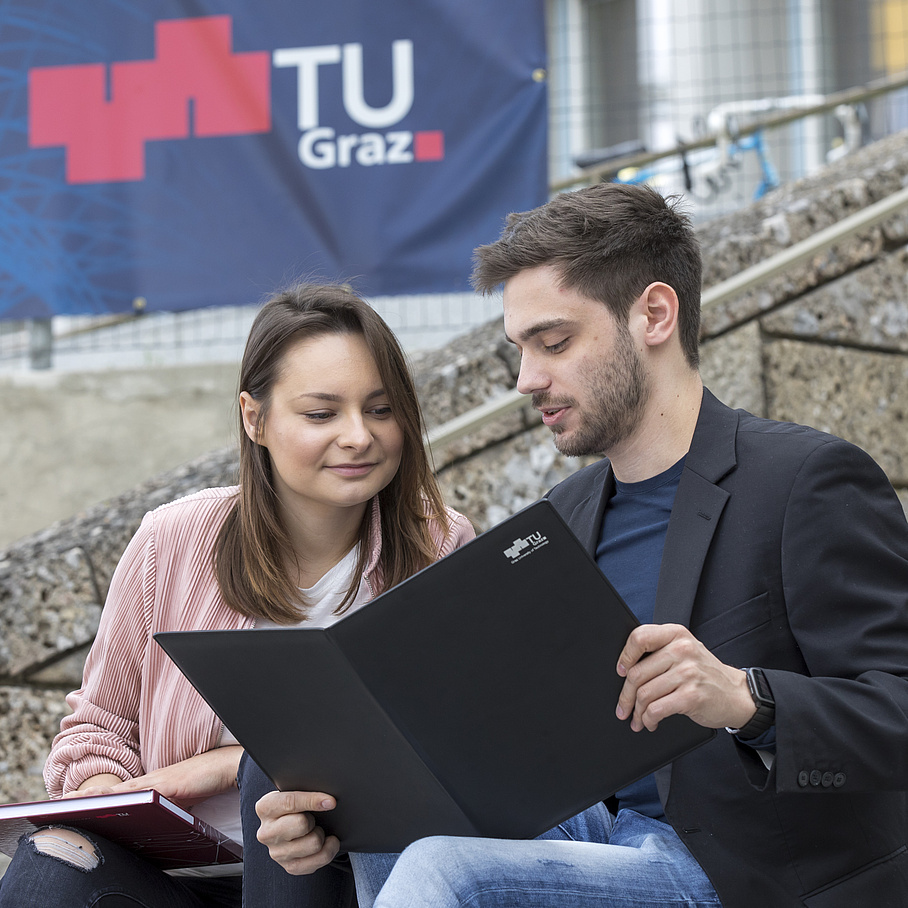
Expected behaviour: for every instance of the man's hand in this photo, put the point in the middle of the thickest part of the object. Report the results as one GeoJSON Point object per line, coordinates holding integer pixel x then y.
{"type": "Point", "coordinates": [679, 675]}
{"type": "Point", "coordinates": [291, 833]}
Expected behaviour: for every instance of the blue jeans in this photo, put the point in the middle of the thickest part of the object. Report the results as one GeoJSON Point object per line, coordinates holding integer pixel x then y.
{"type": "Point", "coordinates": [592, 861]}
{"type": "Point", "coordinates": [265, 883]}
{"type": "Point", "coordinates": [121, 879]}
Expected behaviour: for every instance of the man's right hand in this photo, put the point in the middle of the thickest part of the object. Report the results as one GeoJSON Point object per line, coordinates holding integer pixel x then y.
{"type": "Point", "coordinates": [290, 832]}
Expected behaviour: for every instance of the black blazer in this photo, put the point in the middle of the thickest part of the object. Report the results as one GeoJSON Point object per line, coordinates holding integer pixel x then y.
{"type": "Point", "coordinates": [788, 549]}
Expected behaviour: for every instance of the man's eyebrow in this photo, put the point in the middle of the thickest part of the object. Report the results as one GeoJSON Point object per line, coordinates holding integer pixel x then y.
{"type": "Point", "coordinates": [548, 324]}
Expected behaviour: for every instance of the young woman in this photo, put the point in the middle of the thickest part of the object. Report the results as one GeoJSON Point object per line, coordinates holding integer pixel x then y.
{"type": "Point", "coordinates": [336, 502]}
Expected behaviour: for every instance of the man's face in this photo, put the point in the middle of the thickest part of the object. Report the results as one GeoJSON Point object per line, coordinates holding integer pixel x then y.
{"type": "Point", "coordinates": [579, 363]}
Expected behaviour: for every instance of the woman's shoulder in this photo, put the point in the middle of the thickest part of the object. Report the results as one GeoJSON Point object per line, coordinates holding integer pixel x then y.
{"type": "Point", "coordinates": [207, 506]}
{"type": "Point", "coordinates": [458, 531]}
{"type": "Point", "coordinates": [204, 499]}
{"type": "Point", "coordinates": [455, 518]}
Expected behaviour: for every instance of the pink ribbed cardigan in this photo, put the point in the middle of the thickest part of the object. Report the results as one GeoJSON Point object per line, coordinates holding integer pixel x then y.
{"type": "Point", "coordinates": [135, 711]}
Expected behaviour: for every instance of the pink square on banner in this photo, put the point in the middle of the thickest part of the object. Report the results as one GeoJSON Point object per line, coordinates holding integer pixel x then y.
{"type": "Point", "coordinates": [429, 146]}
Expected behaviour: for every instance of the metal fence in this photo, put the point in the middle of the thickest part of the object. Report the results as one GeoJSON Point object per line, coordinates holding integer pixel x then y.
{"type": "Point", "coordinates": [717, 100]}
{"type": "Point", "coordinates": [73, 343]}
{"type": "Point", "coordinates": [631, 79]}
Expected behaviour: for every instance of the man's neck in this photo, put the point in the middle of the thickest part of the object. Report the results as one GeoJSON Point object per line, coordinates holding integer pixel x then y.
{"type": "Point", "coordinates": [665, 432]}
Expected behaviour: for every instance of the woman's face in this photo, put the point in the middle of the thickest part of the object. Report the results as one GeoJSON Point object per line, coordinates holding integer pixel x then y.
{"type": "Point", "coordinates": [333, 439]}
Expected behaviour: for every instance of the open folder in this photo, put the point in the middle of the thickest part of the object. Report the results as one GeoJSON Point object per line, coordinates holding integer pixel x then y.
{"type": "Point", "coordinates": [475, 698]}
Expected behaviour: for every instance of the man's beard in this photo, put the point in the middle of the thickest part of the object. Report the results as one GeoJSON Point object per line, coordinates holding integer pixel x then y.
{"type": "Point", "coordinates": [617, 391]}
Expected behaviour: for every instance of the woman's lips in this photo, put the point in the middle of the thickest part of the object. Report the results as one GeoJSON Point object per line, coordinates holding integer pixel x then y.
{"type": "Point", "coordinates": [352, 469]}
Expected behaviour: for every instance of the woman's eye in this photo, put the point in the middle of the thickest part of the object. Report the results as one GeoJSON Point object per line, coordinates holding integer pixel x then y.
{"type": "Point", "coordinates": [320, 416]}
{"type": "Point", "coordinates": [381, 412]}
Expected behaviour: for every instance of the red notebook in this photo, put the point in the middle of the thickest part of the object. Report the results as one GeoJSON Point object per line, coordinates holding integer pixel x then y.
{"type": "Point", "coordinates": [143, 821]}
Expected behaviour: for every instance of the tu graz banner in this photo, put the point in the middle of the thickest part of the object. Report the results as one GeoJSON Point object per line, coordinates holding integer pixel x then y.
{"type": "Point", "coordinates": [205, 152]}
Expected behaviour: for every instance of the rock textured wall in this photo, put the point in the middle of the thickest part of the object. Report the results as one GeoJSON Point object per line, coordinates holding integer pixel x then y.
{"type": "Point", "coordinates": [825, 344]}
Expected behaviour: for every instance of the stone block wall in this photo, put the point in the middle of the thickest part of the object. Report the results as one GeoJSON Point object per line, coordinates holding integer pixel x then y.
{"type": "Point", "coordinates": [825, 344]}
{"type": "Point", "coordinates": [52, 589]}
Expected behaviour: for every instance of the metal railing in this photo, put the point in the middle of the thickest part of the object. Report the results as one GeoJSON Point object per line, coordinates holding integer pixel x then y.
{"type": "Point", "coordinates": [472, 420]}
{"type": "Point", "coordinates": [824, 104]}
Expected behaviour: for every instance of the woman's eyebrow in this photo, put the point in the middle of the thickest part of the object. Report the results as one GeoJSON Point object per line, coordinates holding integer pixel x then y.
{"type": "Point", "coordinates": [336, 398]}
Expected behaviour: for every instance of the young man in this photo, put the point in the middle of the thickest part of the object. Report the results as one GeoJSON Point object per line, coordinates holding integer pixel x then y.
{"type": "Point", "coordinates": [768, 564]}
{"type": "Point", "coordinates": [741, 544]}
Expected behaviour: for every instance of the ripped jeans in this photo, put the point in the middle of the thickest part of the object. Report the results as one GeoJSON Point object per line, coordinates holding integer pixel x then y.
{"type": "Point", "coordinates": [102, 874]}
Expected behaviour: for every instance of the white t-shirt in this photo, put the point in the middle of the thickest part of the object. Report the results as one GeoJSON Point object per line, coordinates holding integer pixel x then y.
{"type": "Point", "coordinates": [223, 810]}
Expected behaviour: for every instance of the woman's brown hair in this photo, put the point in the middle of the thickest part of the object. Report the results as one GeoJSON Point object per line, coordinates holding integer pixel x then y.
{"type": "Point", "coordinates": [253, 548]}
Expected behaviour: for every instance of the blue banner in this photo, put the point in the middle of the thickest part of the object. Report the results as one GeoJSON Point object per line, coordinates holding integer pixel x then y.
{"type": "Point", "coordinates": [194, 153]}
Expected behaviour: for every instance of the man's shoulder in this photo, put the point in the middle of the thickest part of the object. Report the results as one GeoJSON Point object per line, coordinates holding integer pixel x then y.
{"type": "Point", "coordinates": [796, 439]}
{"type": "Point", "coordinates": [756, 449]}
{"type": "Point", "coordinates": [753, 432]}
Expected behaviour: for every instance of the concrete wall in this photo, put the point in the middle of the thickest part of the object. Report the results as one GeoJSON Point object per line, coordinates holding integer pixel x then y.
{"type": "Point", "coordinates": [825, 344]}
{"type": "Point", "coordinates": [71, 440]}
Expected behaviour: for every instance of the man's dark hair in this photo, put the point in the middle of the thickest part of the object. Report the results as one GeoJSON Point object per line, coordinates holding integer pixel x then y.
{"type": "Point", "coordinates": [609, 242]}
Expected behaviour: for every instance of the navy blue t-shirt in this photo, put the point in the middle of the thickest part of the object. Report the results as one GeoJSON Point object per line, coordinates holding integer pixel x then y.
{"type": "Point", "coordinates": [629, 553]}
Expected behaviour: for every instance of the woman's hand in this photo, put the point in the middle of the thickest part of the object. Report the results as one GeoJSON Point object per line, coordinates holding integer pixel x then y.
{"type": "Point", "coordinates": [101, 784]}
{"type": "Point", "coordinates": [189, 781]}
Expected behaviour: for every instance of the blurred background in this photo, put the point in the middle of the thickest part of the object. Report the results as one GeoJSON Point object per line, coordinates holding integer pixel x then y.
{"type": "Point", "coordinates": [718, 100]}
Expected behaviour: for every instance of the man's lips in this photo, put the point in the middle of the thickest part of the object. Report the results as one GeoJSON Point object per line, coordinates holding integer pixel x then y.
{"type": "Point", "coordinates": [552, 415]}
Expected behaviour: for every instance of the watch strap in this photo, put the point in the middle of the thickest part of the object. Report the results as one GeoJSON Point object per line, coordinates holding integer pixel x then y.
{"type": "Point", "coordinates": [765, 716]}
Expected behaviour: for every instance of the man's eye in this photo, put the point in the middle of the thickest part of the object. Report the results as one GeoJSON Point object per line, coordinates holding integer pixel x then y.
{"type": "Point", "coordinates": [556, 348]}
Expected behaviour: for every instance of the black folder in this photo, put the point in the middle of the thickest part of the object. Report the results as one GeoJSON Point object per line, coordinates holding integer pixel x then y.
{"type": "Point", "coordinates": [476, 698]}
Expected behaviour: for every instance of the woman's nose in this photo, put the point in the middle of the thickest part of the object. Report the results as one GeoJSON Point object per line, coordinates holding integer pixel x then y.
{"type": "Point", "coordinates": [355, 434]}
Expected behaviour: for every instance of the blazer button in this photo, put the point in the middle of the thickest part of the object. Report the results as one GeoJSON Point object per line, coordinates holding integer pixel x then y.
{"type": "Point", "coordinates": [803, 778]}
{"type": "Point", "coordinates": [816, 777]}
{"type": "Point", "coordinates": [838, 780]}
{"type": "Point", "coordinates": [827, 780]}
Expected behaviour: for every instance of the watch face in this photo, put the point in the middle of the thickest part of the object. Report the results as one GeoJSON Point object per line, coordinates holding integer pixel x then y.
{"type": "Point", "coordinates": [759, 687]}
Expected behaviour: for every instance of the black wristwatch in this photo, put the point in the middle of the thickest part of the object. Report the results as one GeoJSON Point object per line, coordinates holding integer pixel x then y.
{"type": "Point", "coordinates": [765, 716]}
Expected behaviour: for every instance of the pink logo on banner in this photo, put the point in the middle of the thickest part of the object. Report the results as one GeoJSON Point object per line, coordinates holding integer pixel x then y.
{"type": "Point", "coordinates": [105, 137]}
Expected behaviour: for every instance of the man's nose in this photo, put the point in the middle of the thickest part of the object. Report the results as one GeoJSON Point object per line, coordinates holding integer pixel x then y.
{"type": "Point", "coordinates": [531, 377]}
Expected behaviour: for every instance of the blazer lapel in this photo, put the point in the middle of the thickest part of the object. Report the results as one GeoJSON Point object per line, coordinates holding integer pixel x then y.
{"type": "Point", "coordinates": [699, 503]}
{"type": "Point", "coordinates": [695, 513]}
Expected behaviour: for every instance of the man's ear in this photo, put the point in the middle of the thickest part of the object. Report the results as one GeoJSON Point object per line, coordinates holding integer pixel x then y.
{"type": "Point", "coordinates": [250, 411]}
{"type": "Point", "coordinates": [659, 309]}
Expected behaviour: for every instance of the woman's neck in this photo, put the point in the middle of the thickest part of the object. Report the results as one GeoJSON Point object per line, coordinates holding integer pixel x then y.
{"type": "Point", "coordinates": [321, 539]}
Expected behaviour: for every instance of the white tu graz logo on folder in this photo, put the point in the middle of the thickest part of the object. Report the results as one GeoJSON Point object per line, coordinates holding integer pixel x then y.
{"type": "Point", "coordinates": [520, 548]}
